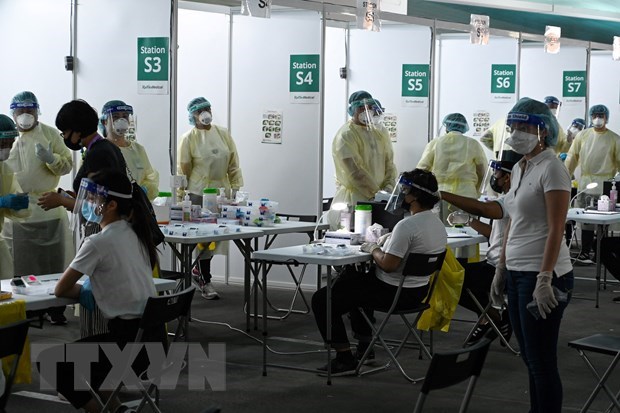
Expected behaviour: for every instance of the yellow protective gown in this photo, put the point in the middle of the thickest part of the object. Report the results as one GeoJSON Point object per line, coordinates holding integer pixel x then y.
{"type": "Point", "coordinates": [364, 163]}
{"type": "Point", "coordinates": [492, 137]}
{"type": "Point", "coordinates": [8, 185]}
{"type": "Point", "coordinates": [562, 145]}
{"type": "Point", "coordinates": [141, 169]}
{"type": "Point", "coordinates": [44, 232]}
{"type": "Point", "coordinates": [209, 159]}
{"type": "Point", "coordinates": [598, 154]}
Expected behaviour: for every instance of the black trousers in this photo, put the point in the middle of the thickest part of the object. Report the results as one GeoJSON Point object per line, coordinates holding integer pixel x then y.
{"type": "Point", "coordinates": [352, 290]}
{"type": "Point", "coordinates": [610, 255]}
{"type": "Point", "coordinates": [121, 333]}
{"type": "Point", "coordinates": [478, 279]}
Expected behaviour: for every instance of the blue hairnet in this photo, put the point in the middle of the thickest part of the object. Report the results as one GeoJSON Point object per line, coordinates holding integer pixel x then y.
{"type": "Point", "coordinates": [579, 121]}
{"type": "Point", "coordinates": [600, 109]}
{"type": "Point", "coordinates": [540, 110]}
{"type": "Point", "coordinates": [355, 98]}
{"type": "Point", "coordinates": [455, 122]}
{"type": "Point", "coordinates": [107, 110]}
{"type": "Point", "coordinates": [551, 100]}
{"type": "Point", "coordinates": [7, 128]}
{"type": "Point", "coordinates": [24, 99]}
{"type": "Point", "coordinates": [194, 105]}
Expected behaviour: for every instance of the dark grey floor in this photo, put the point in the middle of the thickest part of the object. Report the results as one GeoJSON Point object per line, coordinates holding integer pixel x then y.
{"type": "Point", "coordinates": [502, 386]}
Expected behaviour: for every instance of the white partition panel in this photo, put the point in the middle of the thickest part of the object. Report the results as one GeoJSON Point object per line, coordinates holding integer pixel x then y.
{"type": "Point", "coordinates": [286, 172]}
{"type": "Point", "coordinates": [376, 61]}
{"type": "Point", "coordinates": [605, 86]}
{"type": "Point", "coordinates": [35, 39]}
{"type": "Point", "coordinates": [107, 67]}
{"type": "Point", "coordinates": [464, 82]}
{"type": "Point", "coordinates": [542, 75]}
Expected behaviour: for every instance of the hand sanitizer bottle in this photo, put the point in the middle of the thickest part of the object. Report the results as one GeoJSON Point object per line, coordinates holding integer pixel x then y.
{"type": "Point", "coordinates": [186, 208]}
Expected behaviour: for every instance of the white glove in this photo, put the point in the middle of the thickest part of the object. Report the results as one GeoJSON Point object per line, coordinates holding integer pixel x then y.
{"type": "Point", "coordinates": [46, 155]}
{"type": "Point", "coordinates": [543, 293]}
{"type": "Point", "coordinates": [498, 285]}
{"type": "Point", "coordinates": [458, 218]}
{"type": "Point", "coordinates": [383, 239]}
{"type": "Point", "coordinates": [369, 247]}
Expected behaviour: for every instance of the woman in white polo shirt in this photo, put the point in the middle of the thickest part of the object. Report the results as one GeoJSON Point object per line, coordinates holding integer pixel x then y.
{"type": "Point", "coordinates": [534, 265]}
{"type": "Point", "coordinates": [119, 261]}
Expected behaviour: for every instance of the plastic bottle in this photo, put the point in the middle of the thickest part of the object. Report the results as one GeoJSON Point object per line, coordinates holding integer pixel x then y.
{"type": "Point", "coordinates": [613, 196]}
{"type": "Point", "coordinates": [363, 218]}
{"type": "Point", "coordinates": [186, 208]}
{"type": "Point", "coordinates": [209, 200]}
{"type": "Point", "coordinates": [163, 199]}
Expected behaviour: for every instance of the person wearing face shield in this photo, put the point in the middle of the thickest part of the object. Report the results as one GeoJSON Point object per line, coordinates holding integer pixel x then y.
{"type": "Point", "coordinates": [44, 159]}
{"type": "Point", "coordinates": [458, 161]}
{"type": "Point", "coordinates": [554, 104]}
{"type": "Point", "coordinates": [576, 126]}
{"type": "Point", "coordinates": [12, 203]}
{"type": "Point", "coordinates": [596, 151]}
{"type": "Point", "coordinates": [114, 124]}
{"type": "Point", "coordinates": [208, 157]}
{"type": "Point", "coordinates": [420, 232]}
{"type": "Point", "coordinates": [534, 265]}
{"type": "Point", "coordinates": [479, 275]}
{"type": "Point", "coordinates": [363, 155]}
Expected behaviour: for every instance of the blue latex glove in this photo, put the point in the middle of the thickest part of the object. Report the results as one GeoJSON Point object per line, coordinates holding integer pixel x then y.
{"type": "Point", "coordinates": [13, 201]}
{"type": "Point", "coordinates": [563, 156]}
{"type": "Point", "coordinates": [87, 300]}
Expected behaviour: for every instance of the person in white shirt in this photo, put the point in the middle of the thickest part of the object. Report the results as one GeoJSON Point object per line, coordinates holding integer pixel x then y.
{"type": "Point", "coordinates": [119, 261]}
{"type": "Point", "coordinates": [422, 232]}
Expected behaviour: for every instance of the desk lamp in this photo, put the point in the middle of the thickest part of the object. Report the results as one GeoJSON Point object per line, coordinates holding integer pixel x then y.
{"type": "Point", "coordinates": [591, 185]}
{"type": "Point", "coordinates": [338, 206]}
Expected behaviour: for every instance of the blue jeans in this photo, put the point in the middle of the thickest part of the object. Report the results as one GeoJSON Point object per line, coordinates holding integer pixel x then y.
{"type": "Point", "coordinates": [538, 339]}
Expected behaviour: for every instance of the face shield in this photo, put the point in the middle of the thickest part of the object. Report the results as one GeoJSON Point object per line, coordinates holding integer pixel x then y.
{"type": "Point", "coordinates": [401, 189]}
{"type": "Point", "coordinates": [119, 120]}
{"type": "Point", "coordinates": [25, 114]}
{"type": "Point", "coordinates": [90, 201]}
{"type": "Point", "coordinates": [368, 113]}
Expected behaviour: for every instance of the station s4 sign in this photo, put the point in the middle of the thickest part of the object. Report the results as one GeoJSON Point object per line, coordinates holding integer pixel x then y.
{"type": "Point", "coordinates": [153, 58]}
{"type": "Point", "coordinates": [304, 78]}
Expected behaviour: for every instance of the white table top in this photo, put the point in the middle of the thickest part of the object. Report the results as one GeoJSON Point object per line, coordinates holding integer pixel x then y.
{"type": "Point", "coordinates": [590, 217]}
{"type": "Point", "coordinates": [288, 227]}
{"type": "Point", "coordinates": [242, 233]}
{"type": "Point", "coordinates": [42, 301]}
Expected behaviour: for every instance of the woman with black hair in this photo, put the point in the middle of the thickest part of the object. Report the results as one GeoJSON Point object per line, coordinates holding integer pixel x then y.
{"type": "Point", "coordinates": [422, 232]}
{"type": "Point", "coordinates": [119, 261]}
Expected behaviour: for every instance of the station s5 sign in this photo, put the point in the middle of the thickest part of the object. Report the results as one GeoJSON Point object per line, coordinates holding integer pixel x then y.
{"type": "Point", "coordinates": [153, 60]}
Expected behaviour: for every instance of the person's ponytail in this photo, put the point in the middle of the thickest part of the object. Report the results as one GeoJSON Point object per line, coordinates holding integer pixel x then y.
{"type": "Point", "coordinates": [139, 223]}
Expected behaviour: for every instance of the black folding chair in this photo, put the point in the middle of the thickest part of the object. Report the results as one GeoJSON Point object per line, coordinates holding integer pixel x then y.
{"type": "Point", "coordinates": [602, 344]}
{"type": "Point", "coordinates": [158, 312]}
{"type": "Point", "coordinates": [417, 265]}
{"type": "Point", "coordinates": [452, 367]}
{"type": "Point", "coordinates": [12, 340]}
{"type": "Point", "coordinates": [296, 279]}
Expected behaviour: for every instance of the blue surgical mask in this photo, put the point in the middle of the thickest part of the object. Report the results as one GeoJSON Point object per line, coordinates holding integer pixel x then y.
{"type": "Point", "coordinates": [89, 214]}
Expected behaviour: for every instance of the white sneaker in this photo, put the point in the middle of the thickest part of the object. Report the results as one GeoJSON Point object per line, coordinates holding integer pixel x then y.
{"type": "Point", "coordinates": [209, 292]}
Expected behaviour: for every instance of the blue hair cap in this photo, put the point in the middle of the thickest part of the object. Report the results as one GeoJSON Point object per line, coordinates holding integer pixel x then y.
{"type": "Point", "coordinates": [455, 122]}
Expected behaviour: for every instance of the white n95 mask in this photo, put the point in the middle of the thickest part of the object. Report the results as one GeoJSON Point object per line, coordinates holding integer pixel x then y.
{"type": "Point", "coordinates": [522, 142]}
{"type": "Point", "coordinates": [25, 121]}
{"type": "Point", "coordinates": [205, 118]}
{"type": "Point", "coordinates": [4, 154]}
{"type": "Point", "coordinates": [598, 122]}
{"type": "Point", "coordinates": [120, 126]}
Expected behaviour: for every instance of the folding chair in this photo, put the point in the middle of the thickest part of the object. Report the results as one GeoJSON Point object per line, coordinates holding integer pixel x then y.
{"type": "Point", "coordinates": [12, 340]}
{"type": "Point", "coordinates": [417, 265]}
{"type": "Point", "coordinates": [602, 344]}
{"type": "Point", "coordinates": [158, 312]}
{"type": "Point", "coordinates": [452, 367]}
{"type": "Point", "coordinates": [289, 265]}
{"type": "Point", "coordinates": [494, 326]}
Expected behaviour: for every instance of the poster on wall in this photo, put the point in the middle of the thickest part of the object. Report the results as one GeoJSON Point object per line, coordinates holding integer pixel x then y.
{"type": "Point", "coordinates": [552, 39]}
{"type": "Point", "coordinates": [369, 15]}
{"type": "Point", "coordinates": [481, 122]}
{"type": "Point", "coordinates": [415, 85]}
{"type": "Point", "coordinates": [479, 29]}
{"type": "Point", "coordinates": [256, 8]}
{"type": "Point", "coordinates": [272, 126]}
{"type": "Point", "coordinates": [304, 78]}
{"type": "Point", "coordinates": [153, 57]}
{"type": "Point", "coordinates": [574, 87]}
{"type": "Point", "coordinates": [503, 79]}
{"type": "Point", "coordinates": [389, 121]}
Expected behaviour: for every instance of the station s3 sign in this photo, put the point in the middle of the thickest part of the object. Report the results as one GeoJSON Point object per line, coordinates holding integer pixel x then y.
{"type": "Point", "coordinates": [153, 58]}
